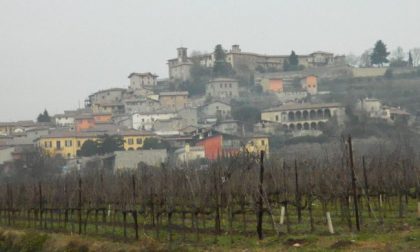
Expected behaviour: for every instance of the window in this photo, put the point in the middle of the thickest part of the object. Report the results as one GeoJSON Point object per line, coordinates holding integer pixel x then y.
{"type": "Point", "coordinates": [46, 144]}
{"type": "Point", "coordinates": [262, 142]}
{"type": "Point", "coordinates": [130, 141]}
{"type": "Point", "coordinates": [277, 117]}
{"type": "Point", "coordinates": [230, 85]}
{"type": "Point", "coordinates": [58, 144]}
{"type": "Point", "coordinates": [68, 143]}
{"type": "Point", "coordinates": [78, 143]}
{"type": "Point", "coordinates": [139, 141]}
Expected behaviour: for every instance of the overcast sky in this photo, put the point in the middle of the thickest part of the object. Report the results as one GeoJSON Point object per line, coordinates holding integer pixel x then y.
{"type": "Point", "coordinates": [53, 54]}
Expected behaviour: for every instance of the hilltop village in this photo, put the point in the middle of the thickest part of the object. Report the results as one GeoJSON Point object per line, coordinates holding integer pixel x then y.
{"type": "Point", "coordinates": [214, 105]}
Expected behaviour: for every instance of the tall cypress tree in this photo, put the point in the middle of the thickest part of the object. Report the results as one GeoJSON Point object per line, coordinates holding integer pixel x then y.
{"type": "Point", "coordinates": [293, 59]}
{"type": "Point", "coordinates": [221, 67]}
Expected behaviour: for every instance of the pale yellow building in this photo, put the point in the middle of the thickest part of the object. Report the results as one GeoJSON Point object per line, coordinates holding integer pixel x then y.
{"type": "Point", "coordinates": [256, 144]}
{"type": "Point", "coordinates": [68, 143]}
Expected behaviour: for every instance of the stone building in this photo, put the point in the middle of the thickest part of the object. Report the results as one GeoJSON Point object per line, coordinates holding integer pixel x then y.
{"type": "Point", "coordinates": [304, 116]}
{"type": "Point", "coordinates": [222, 88]}
{"type": "Point", "coordinates": [179, 68]}
{"type": "Point", "coordinates": [174, 100]}
{"type": "Point", "coordinates": [142, 80]}
{"type": "Point", "coordinates": [214, 110]}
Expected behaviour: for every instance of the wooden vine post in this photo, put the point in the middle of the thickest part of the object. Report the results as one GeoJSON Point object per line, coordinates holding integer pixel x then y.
{"type": "Point", "coordinates": [260, 198]}
{"type": "Point", "coordinates": [353, 185]}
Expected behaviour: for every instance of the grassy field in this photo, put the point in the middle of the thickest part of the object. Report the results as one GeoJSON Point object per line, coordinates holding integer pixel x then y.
{"type": "Point", "coordinates": [403, 238]}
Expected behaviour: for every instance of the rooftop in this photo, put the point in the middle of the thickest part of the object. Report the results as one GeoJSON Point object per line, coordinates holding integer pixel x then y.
{"type": "Point", "coordinates": [143, 74]}
{"type": "Point", "coordinates": [173, 93]}
{"type": "Point", "coordinates": [296, 106]}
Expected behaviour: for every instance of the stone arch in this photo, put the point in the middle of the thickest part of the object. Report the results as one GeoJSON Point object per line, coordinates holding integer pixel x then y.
{"type": "Point", "coordinates": [305, 115]}
{"type": "Point", "coordinates": [298, 115]}
{"type": "Point", "coordinates": [320, 114]}
{"type": "Point", "coordinates": [299, 126]}
{"type": "Point", "coordinates": [306, 126]}
{"type": "Point", "coordinates": [138, 148]}
{"type": "Point", "coordinates": [327, 113]}
{"type": "Point", "coordinates": [313, 126]}
{"type": "Point", "coordinates": [312, 114]}
{"type": "Point", "coordinates": [321, 125]}
{"type": "Point", "coordinates": [285, 127]}
{"type": "Point", "coordinates": [292, 126]}
{"type": "Point", "coordinates": [130, 149]}
{"type": "Point", "coordinates": [291, 116]}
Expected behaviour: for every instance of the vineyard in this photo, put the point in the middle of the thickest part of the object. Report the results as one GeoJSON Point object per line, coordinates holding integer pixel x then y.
{"type": "Point", "coordinates": [231, 199]}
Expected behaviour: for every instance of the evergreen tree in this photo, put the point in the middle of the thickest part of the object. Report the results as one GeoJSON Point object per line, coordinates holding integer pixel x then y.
{"type": "Point", "coordinates": [44, 117]}
{"type": "Point", "coordinates": [153, 143]}
{"type": "Point", "coordinates": [89, 148]}
{"type": "Point", "coordinates": [221, 68]}
{"type": "Point", "coordinates": [380, 54]}
{"type": "Point", "coordinates": [108, 144]}
{"type": "Point", "coordinates": [293, 59]}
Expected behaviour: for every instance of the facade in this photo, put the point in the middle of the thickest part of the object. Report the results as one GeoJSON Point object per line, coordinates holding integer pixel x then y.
{"type": "Point", "coordinates": [232, 127]}
{"type": "Point", "coordinates": [68, 143]}
{"type": "Point", "coordinates": [189, 116]}
{"type": "Point", "coordinates": [107, 96]}
{"type": "Point", "coordinates": [64, 143]}
{"type": "Point", "coordinates": [189, 153]}
{"type": "Point", "coordinates": [256, 144]}
{"type": "Point", "coordinates": [134, 140]}
{"type": "Point", "coordinates": [179, 68]}
{"type": "Point", "coordinates": [140, 105]}
{"type": "Point", "coordinates": [215, 109]}
{"type": "Point", "coordinates": [304, 116]}
{"type": "Point", "coordinates": [222, 88]}
{"type": "Point", "coordinates": [84, 122]}
{"type": "Point", "coordinates": [220, 145]}
{"type": "Point", "coordinates": [142, 80]}
{"type": "Point", "coordinates": [63, 120]}
{"type": "Point", "coordinates": [108, 107]}
{"type": "Point", "coordinates": [372, 106]}
{"type": "Point", "coordinates": [131, 159]}
{"type": "Point", "coordinates": [145, 121]}
{"type": "Point", "coordinates": [170, 126]}
{"type": "Point", "coordinates": [310, 84]}
{"type": "Point", "coordinates": [173, 100]}
{"type": "Point", "coordinates": [272, 85]}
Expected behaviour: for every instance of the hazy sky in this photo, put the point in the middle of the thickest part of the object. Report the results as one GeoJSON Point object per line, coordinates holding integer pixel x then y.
{"type": "Point", "coordinates": [53, 54]}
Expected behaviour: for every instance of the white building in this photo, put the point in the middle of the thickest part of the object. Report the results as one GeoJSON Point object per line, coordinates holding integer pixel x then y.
{"type": "Point", "coordinates": [222, 88]}
{"type": "Point", "coordinates": [304, 116]}
{"type": "Point", "coordinates": [63, 120]}
{"type": "Point", "coordinates": [142, 80]}
{"type": "Point", "coordinates": [189, 153]}
{"type": "Point", "coordinates": [372, 106]}
{"type": "Point", "coordinates": [145, 121]}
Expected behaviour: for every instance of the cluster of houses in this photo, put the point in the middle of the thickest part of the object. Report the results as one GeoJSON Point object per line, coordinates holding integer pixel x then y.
{"type": "Point", "coordinates": [192, 128]}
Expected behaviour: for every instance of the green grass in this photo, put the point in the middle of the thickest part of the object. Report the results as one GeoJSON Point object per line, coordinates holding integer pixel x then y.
{"type": "Point", "coordinates": [394, 234]}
